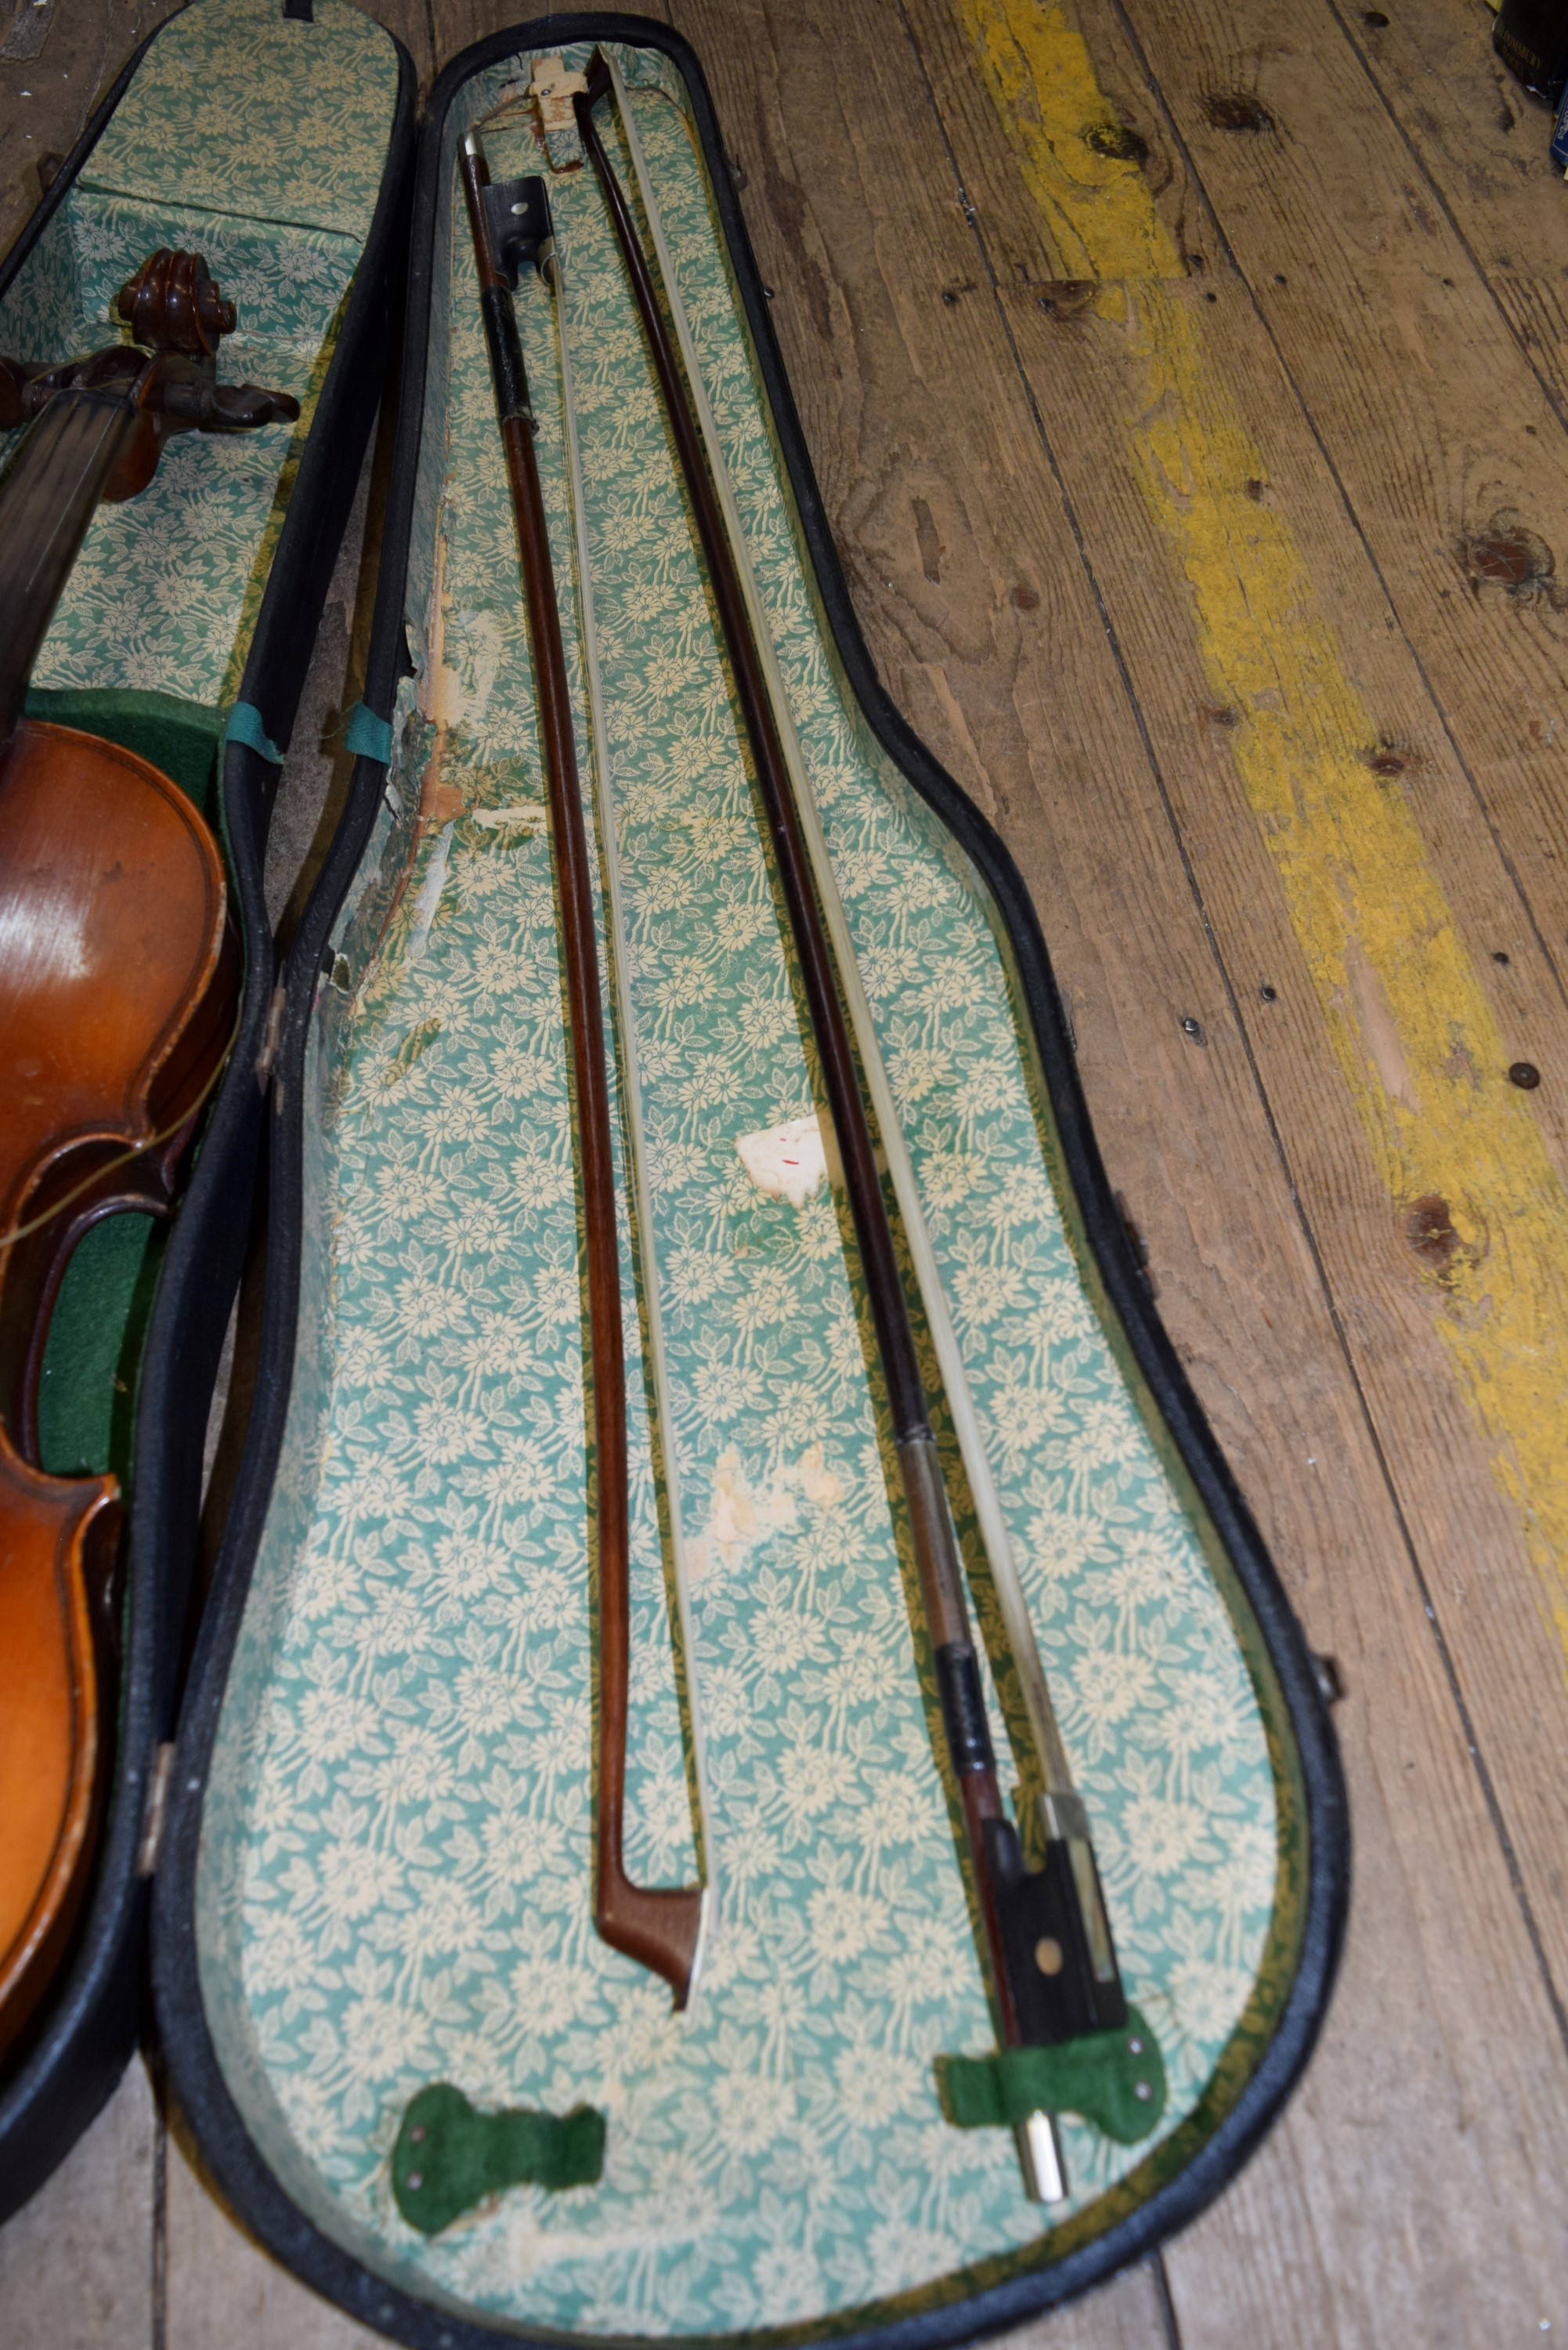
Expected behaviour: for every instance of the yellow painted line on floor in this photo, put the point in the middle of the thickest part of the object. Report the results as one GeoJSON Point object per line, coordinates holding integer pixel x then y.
{"type": "Point", "coordinates": [1479, 1205]}
{"type": "Point", "coordinates": [1042, 79]}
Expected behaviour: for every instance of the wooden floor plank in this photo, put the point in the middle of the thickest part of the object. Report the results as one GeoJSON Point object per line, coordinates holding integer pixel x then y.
{"type": "Point", "coordinates": [1367, 1146]}
{"type": "Point", "coordinates": [413, 23]}
{"type": "Point", "coordinates": [1485, 149]}
{"type": "Point", "coordinates": [1368, 2216]}
{"type": "Point", "coordinates": [1128, 2313]}
{"type": "Point", "coordinates": [1364, 1211]}
{"type": "Point", "coordinates": [1448, 448]}
{"type": "Point", "coordinates": [224, 2292]}
{"type": "Point", "coordinates": [77, 2263]}
{"type": "Point", "coordinates": [45, 100]}
{"type": "Point", "coordinates": [924, 450]}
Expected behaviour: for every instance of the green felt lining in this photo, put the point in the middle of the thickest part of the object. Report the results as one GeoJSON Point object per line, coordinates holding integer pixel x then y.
{"type": "Point", "coordinates": [87, 1394]}
{"type": "Point", "coordinates": [1114, 2079]}
{"type": "Point", "coordinates": [86, 1390]}
{"type": "Point", "coordinates": [450, 2157]}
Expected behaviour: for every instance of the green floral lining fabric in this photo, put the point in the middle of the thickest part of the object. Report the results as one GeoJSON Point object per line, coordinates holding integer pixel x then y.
{"type": "Point", "coordinates": [394, 1885]}
{"type": "Point", "coordinates": [280, 120]}
{"type": "Point", "coordinates": [259, 142]}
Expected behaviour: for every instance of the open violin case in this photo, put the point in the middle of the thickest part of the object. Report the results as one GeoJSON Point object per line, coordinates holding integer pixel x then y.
{"type": "Point", "coordinates": [411, 2063]}
{"type": "Point", "coordinates": [276, 138]}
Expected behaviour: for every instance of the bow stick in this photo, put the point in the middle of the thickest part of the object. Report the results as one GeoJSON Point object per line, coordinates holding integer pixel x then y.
{"type": "Point", "coordinates": [658, 1927]}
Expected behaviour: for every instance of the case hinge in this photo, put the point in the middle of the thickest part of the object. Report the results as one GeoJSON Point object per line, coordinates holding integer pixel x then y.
{"type": "Point", "coordinates": [271, 1036]}
{"type": "Point", "coordinates": [157, 1808]}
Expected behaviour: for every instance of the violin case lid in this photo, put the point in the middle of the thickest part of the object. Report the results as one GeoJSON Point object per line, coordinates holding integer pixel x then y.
{"type": "Point", "coordinates": [277, 141]}
{"type": "Point", "coordinates": [374, 1872]}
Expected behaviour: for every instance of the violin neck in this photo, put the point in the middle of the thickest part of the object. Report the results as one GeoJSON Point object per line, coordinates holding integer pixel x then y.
{"type": "Point", "coordinates": [46, 501]}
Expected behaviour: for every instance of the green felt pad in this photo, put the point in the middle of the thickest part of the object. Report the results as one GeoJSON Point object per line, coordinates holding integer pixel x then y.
{"type": "Point", "coordinates": [450, 2157]}
{"type": "Point", "coordinates": [1114, 2079]}
{"type": "Point", "coordinates": [86, 1390]}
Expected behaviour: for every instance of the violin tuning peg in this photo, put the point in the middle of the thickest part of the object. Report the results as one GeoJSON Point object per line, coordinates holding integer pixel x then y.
{"type": "Point", "coordinates": [242, 407]}
{"type": "Point", "coordinates": [220, 316]}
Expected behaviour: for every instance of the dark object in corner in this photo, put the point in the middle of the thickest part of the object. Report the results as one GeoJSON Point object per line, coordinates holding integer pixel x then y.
{"type": "Point", "coordinates": [1530, 36]}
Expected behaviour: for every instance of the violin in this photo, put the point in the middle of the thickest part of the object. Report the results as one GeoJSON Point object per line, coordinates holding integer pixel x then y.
{"type": "Point", "coordinates": [119, 975]}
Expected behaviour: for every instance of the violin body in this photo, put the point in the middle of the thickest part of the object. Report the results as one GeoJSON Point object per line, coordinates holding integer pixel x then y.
{"type": "Point", "coordinates": [119, 977]}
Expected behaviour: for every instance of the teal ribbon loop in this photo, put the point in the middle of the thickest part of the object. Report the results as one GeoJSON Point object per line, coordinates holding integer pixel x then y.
{"type": "Point", "coordinates": [450, 2157]}
{"type": "Point", "coordinates": [367, 736]}
{"type": "Point", "coordinates": [245, 727]}
{"type": "Point", "coordinates": [1114, 2080]}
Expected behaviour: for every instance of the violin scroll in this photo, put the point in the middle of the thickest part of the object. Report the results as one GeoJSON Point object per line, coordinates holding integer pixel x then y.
{"type": "Point", "coordinates": [173, 305]}
{"type": "Point", "coordinates": [167, 372]}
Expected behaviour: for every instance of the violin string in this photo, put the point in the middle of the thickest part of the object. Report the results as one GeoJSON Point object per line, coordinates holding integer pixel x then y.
{"type": "Point", "coordinates": [139, 1150]}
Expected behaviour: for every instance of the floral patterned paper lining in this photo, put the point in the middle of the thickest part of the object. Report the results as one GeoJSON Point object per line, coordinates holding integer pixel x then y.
{"type": "Point", "coordinates": [395, 1872]}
